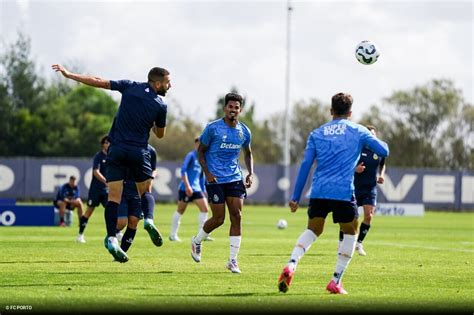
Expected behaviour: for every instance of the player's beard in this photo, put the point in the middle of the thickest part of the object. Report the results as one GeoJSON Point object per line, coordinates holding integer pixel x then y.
{"type": "Point", "coordinates": [232, 117]}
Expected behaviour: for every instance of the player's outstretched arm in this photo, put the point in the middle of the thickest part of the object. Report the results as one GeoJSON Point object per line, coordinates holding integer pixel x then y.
{"type": "Point", "coordinates": [88, 80]}
{"type": "Point", "coordinates": [249, 165]}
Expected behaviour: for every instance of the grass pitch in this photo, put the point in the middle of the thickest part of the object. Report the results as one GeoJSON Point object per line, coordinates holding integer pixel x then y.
{"type": "Point", "coordinates": [413, 264]}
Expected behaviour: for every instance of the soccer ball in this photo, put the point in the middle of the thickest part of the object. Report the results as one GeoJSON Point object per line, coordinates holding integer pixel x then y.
{"type": "Point", "coordinates": [367, 52]}
{"type": "Point", "coordinates": [282, 224]}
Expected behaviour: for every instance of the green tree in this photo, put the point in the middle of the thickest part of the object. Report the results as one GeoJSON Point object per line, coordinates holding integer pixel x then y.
{"type": "Point", "coordinates": [426, 126]}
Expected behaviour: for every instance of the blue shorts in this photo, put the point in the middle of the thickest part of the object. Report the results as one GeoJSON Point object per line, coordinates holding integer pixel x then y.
{"type": "Point", "coordinates": [134, 164]}
{"type": "Point", "coordinates": [366, 197]}
{"type": "Point", "coordinates": [184, 198]}
{"type": "Point", "coordinates": [97, 196]}
{"type": "Point", "coordinates": [342, 211]}
{"type": "Point", "coordinates": [130, 206]}
{"type": "Point", "coordinates": [216, 193]}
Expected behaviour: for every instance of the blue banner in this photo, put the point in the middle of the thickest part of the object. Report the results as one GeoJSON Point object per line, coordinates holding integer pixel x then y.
{"type": "Point", "coordinates": [26, 215]}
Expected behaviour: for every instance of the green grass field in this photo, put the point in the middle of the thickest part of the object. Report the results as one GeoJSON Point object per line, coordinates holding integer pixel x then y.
{"type": "Point", "coordinates": [413, 264]}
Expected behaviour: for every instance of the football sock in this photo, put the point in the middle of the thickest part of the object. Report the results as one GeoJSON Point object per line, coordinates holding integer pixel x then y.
{"type": "Point", "coordinates": [175, 222]}
{"type": "Point", "coordinates": [202, 217]}
{"type": "Point", "coordinates": [304, 242]}
{"type": "Point", "coordinates": [127, 239]}
{"type": "Point", "coordinates": [82, 224]}
{"type": "Point", "coordinates": [364, 229]}
{"type": "Point", "coordinates": [110, 215]}
{"type": "Point", "coordinates": [148, 205]}
{"type": "Point", "coordinates": [346, 250]}
{"type": "Point", "coordinates": [61, 219]}
{"type": "Point", "coordinates": [234, 246]}
{"type": "Point", "coordinates": [200, 236]}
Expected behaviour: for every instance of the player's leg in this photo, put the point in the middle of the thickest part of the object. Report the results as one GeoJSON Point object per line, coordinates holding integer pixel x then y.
{"type": "Point", "coordinates": [361, 198]}
{"type": "Point", "coordinates": [176, 220]}
{"type": "Point", "coordinates": [369, 211]}
{"type": "Point", "coordinates": [147, 207]}
{"type": "Point", "coordinates": [346, 215]}
{"type": "Point", "coordinates": [130, 232]}
{"type": "Point", "coordinates": [62, 210]}
{"type": "Point", "coordinates": [201, 202]}
{"type": "Point", "coordinates": [217, 203]}
{"type": "Point", "coordinates": [235, 205]}
{"type": "Point", "coordinates": [317, 212]}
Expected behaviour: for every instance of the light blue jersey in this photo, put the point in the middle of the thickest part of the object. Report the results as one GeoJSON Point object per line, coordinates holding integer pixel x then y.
{"type": "Point", "coordinates": [223, 149]}
{"type": "Point", "coordinates": [193, 170]}
{"type": "Point", "coordinates": [336, 146]}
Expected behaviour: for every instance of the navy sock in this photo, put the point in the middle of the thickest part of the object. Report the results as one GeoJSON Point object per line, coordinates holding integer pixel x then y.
{"type": "Point", "coordinates": [82, 224]}
{"type": "Point", "coordinates": [148, 205]}
{"type": "Point", "coordinates": [110, 215]}
{"type": "Point", "coordinates": [127, 239]}
{"type": "Point", "coordinates": [61, 219]}
{"type": "Point", "coordinates": [364, 229]}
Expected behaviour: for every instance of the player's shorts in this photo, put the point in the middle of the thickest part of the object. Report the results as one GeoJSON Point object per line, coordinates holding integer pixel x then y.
{"type": "Point", "coordinates": [130, 206]}
{"type": "Point", "coordinates": [97, 196]}
{"type": "Point", "coordinates": [68, 205]}
{"type": "Point", "coordinates": [216, 193]}
{"type": "Point", "coordinates": [366, 197]}
{"type": "Point", "coordinates": [123, 163]}
{"type": "Point", "coordinates": [184, 198]}
{"type": "Point", "coordinates": [342, 211]}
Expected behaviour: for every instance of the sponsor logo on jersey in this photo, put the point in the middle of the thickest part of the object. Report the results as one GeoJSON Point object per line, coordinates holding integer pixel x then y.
{"type": "Point", "coordinates": [230, 146]}
{"type": "Point", "coordinates": [336, 129]}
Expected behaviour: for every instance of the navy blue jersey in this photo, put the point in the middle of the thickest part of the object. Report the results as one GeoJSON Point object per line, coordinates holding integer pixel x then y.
{"type": "Point", "coordinates": [368, 178]}
{"type": "Point", "coordinates": [139, 109]}
{"type": "Point", "coordinates": [99, 164]}
{"type": "Point", "coordinates": [66, 191]}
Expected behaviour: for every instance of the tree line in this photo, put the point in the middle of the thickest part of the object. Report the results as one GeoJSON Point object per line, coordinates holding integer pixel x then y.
{"type": "Point", "coordinates": [427, 126]}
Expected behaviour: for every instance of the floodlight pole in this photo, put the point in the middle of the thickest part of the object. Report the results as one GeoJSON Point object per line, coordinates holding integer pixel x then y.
{"type": "Point", "coordinates": [286, 149]}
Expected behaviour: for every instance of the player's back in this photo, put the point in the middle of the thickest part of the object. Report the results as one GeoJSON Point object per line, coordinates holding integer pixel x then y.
{"type": "Point", "coordinates": [338, 145]}
{"type": "Point", "coordinates": [139, 109]}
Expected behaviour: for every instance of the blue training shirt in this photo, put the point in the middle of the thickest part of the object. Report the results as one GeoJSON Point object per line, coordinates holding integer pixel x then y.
{"type": "Point", "coordinates": [336, 146]}
{"type": "Point", "coordinates": [193, 170]}
{"type": "Point", "coordinates": [367, 180]}
{"type": "Point", "coordinates": [99, 164]}
{"type": "Point", "coordinates": [223, 149]}
{"type": "Point", "coordinates": [129, 187]}
{"type": "Point", "coordinates": [66, 191]}
{"type": "Point", "coordinates": [139, 109]}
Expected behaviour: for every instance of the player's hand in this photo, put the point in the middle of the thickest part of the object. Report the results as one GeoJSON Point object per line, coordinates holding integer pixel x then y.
{"type": "Point", "coordinates": [248, 180]}
{"type": "Point", "coordinates": [360, 167]}
{"type": "Point", "coordinates": [293, 205]}
{"type": "Point", "coordinates": [210, 178]}
{"type": "Point", "coordinates": [60, 68]}
{"type": "Point", "coordinates": [189, 191]}
{"type": "Point", "coordinates": [380, 180]}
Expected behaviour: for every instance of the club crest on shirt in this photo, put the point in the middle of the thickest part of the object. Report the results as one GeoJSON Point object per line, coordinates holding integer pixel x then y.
{"type": "Point", "coordinates": [241, 135]}
{"type": "Point", "coordinates": [224, 138]}
{"type": "Point", "coordinates": [376, 157]}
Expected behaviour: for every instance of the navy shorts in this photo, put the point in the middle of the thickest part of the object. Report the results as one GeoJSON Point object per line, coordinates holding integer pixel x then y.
{"type": "Point", "coordinates": [184, 198]}
{"type": "Point", "coordinates": [130, 206]}
{"type": "Point", "coordinates": [97, 196]}
{"type": "Point", "coordinates": [68, 205]}
{"type": "Point", "coordinates": [123, 163]}
{"type": "Point", "coordinates": [366, 197]}
{"type": "Point", "coordinates": [216, 193]}
{"type": "Point", "coordinates": [342, 211]}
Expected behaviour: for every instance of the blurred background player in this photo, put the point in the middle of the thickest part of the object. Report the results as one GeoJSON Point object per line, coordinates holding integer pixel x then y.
{"type": "Point", "coordinates": [191, 188]}
{"type": "Point", "coordinates": [67, 197]}
{"type": "Point", "coordinates": [218, 153]}
{"type": "Point", "coordinates": [336, 146]}
{"type": "Point", "coordinates": [142, 108]}
{"type": "Point", "coordinates": [98, 191]}
{"type": "Point", "coordinates": [365, 183]}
